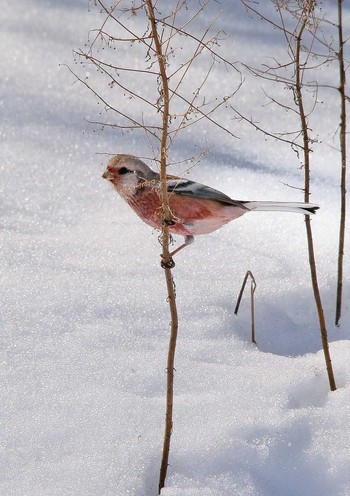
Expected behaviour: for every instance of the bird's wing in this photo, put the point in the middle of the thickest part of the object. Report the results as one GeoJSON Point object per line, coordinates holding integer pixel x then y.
{"type": "Point", "coordinates": [193, 189]}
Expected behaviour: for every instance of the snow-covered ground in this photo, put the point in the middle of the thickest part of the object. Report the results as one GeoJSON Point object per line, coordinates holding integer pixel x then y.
{"type": "Point", "coordinates": [84, 321]}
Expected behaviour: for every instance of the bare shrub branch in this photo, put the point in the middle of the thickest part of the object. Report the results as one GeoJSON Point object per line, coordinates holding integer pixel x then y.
{"type": "Point", "coordinates": [297, 21]}
{"type": "Point", "coordinates": [156, 94]}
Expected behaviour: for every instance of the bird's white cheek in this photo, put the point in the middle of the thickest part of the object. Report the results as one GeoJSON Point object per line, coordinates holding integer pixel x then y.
{"type": "Point", "coordinates": [127, 185]}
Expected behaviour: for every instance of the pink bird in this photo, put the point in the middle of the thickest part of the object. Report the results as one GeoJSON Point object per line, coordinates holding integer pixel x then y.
{"type": "Point", "coordinates": [196, 208]}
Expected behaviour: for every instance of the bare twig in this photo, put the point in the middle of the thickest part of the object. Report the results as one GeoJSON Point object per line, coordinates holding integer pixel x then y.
{"type": "Point", "coordinates": [274, 135]}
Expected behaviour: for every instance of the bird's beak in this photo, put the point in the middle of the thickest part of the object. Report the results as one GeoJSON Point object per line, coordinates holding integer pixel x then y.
{"type": "Point", "coordinates": [107, 175]}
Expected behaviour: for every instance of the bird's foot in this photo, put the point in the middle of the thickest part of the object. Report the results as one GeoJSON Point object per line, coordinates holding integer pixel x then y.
{"type": "Point", "coordinates": [169, 222]}
{"type": "Point", "coordinates": [170, 264]}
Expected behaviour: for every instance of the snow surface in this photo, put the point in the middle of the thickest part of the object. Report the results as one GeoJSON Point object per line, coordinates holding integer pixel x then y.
{"type": "Point", "coordinates": [84, 321]}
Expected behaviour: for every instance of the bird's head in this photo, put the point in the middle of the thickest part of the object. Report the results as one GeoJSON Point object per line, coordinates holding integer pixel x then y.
{"type": "Point", "coordinates": [126, 172]}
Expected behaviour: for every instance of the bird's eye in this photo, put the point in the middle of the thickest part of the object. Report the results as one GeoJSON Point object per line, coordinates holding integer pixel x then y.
{"type": "Point", "coordinates": [123, 170]}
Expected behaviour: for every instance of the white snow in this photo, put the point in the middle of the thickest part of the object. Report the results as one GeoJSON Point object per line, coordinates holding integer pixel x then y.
{"type": "Point", "coordinates": [84, 320]}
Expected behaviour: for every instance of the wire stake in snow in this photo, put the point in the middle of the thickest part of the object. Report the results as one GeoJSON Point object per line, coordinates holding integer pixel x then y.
{"type": "Point", "coordinates": [252, 291]}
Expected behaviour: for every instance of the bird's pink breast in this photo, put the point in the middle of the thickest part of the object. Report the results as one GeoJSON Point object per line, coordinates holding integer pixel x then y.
{"type": "Point", "coordinates": [192, 216]}
{"type": "Point", "coordinates": [147, 205]}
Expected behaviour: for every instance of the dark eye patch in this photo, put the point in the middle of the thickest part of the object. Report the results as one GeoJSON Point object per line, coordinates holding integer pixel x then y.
{"type": "Point", "coordinates": [123, 170]}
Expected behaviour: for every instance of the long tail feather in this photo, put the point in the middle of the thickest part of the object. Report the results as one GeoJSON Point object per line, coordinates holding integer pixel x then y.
{"type": "Point", "coordinates": [297, 207]}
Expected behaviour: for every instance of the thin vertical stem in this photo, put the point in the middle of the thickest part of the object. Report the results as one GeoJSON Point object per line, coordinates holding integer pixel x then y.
{"type": "Point", "coordinates": [343, 163]}
{"type": "Point", "coordinates": [306, 151]}
{"type": "Point", "coordinates": [170, 381]}
{"type": "Point", "coordinates": [166, 213]}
